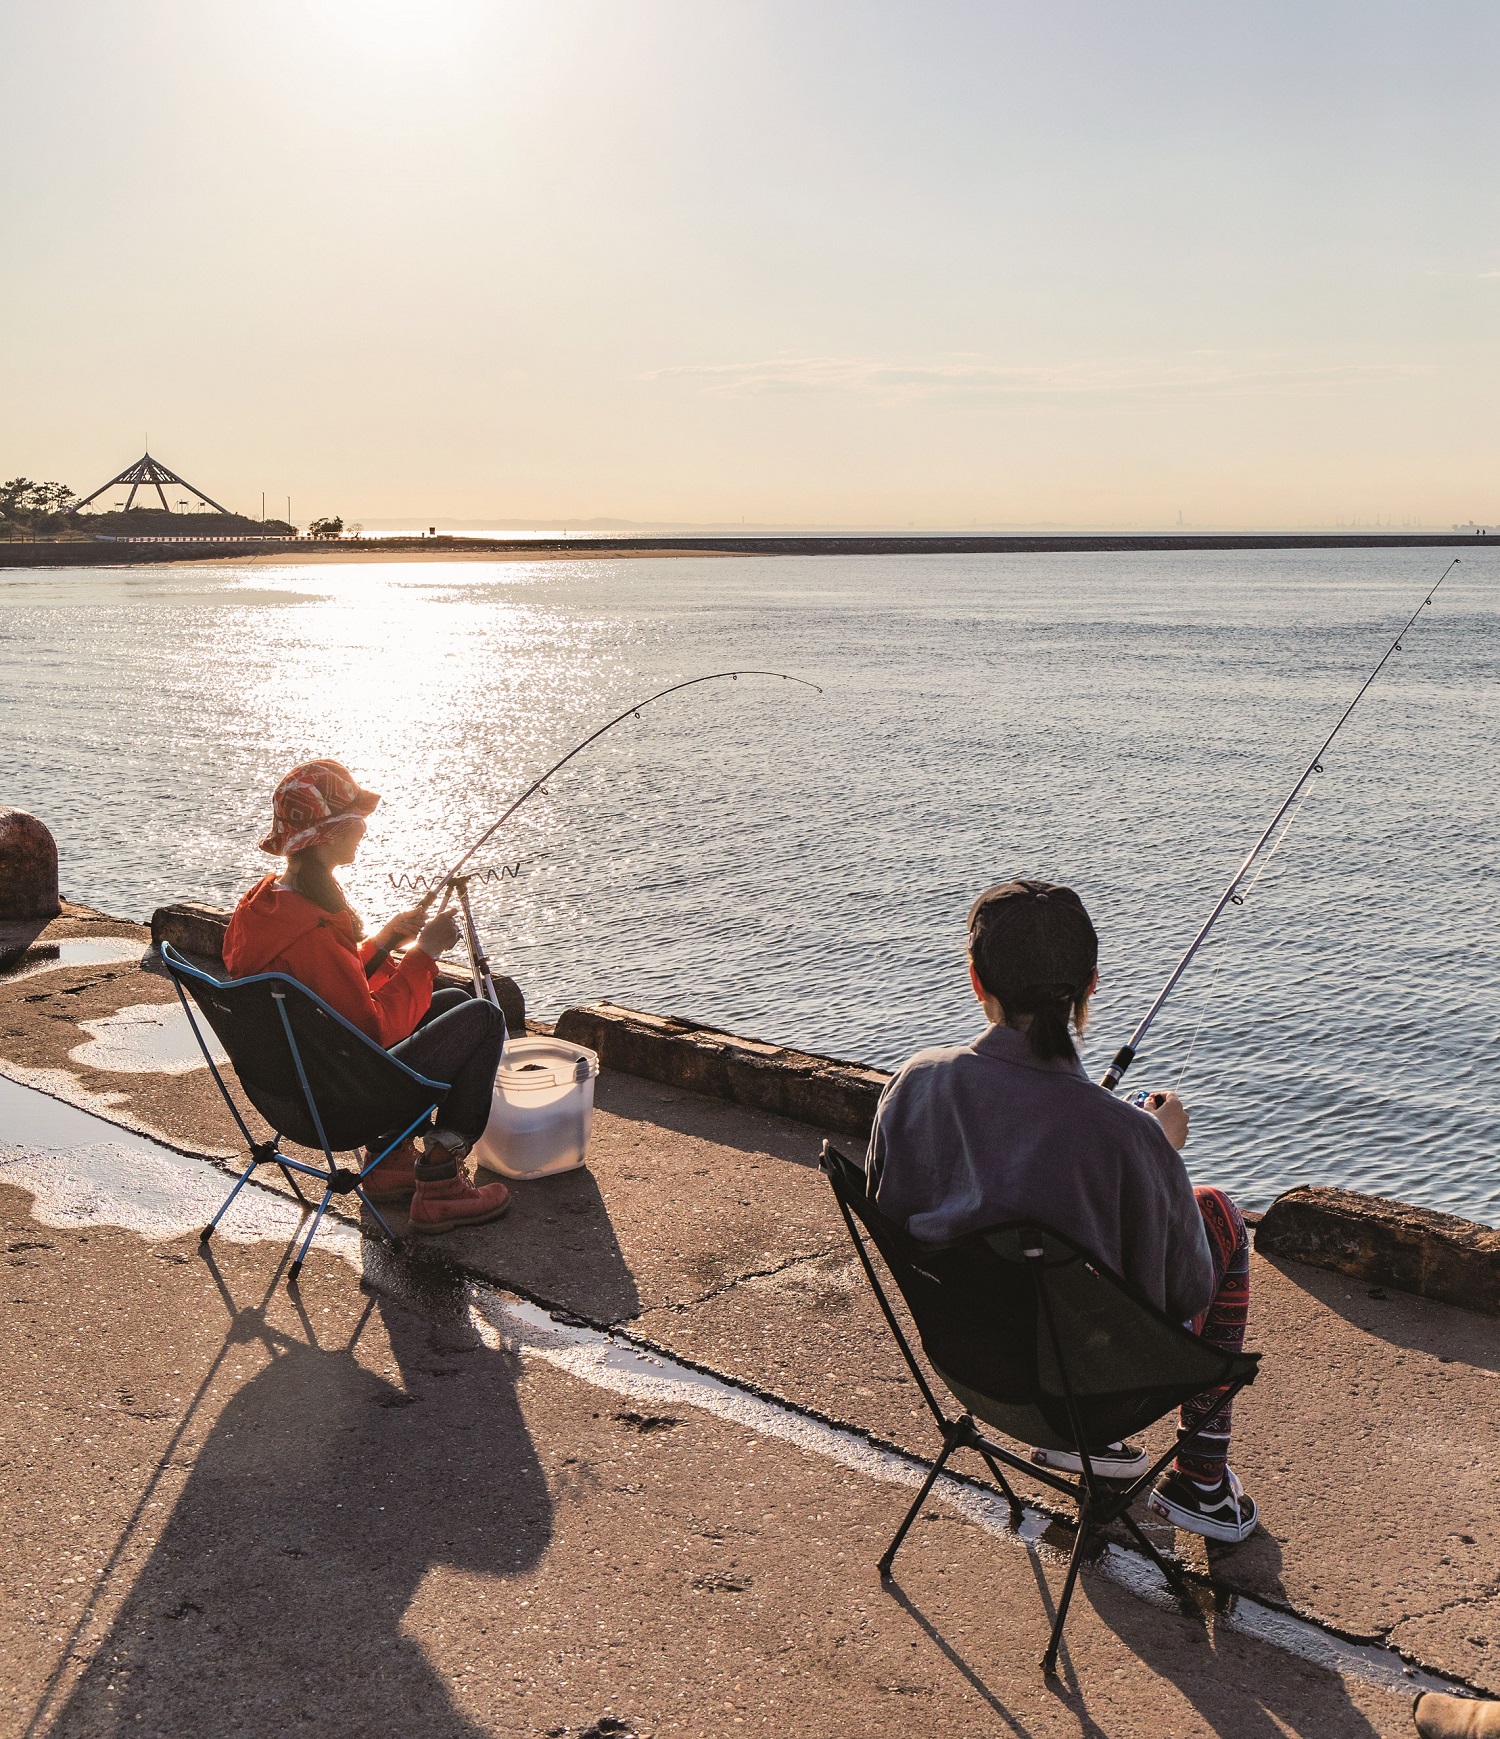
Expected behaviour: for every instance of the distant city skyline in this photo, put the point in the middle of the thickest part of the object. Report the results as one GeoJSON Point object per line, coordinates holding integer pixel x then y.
{"type": "Point", "coordinates": [854, 265]}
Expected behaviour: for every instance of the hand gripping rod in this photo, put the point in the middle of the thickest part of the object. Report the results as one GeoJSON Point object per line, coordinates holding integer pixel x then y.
{"type": "Point", "coordinates": [1125, 1056]}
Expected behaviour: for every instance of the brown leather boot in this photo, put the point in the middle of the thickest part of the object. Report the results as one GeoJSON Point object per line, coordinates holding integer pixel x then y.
{"type": "Point", "coordinates": [445, 1199]}
{"type": "Point", "coordinates": [391, 1183]}
{"type": "Point", "coordinates": [1442, 1717]}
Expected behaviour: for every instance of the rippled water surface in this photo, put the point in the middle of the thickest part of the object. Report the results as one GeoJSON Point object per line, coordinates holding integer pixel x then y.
{"type": "Point", "coordinates": [797, 867]}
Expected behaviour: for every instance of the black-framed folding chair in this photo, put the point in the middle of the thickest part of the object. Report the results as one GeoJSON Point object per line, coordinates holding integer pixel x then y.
{"type": "Point", "coordinates": [314, 1078]}
{"type": "Point", "coordinates": [1033, 1336]}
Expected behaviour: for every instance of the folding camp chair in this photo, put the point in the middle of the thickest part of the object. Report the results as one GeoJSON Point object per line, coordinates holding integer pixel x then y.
{"type": "Point", "coordinates": [314, 1078]}
{"type": "Point", "coordinates": [1036, 1338]}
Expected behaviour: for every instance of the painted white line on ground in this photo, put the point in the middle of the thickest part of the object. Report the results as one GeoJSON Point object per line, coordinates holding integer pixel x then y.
{"type": "Point", "coordinates": [608, 1362]}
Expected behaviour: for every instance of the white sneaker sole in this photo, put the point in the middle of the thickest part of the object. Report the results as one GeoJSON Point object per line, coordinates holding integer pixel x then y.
{"type": "Point", "coordinates": [1105, 1466]}
{"type": "Point", "coordinates": [1194, 1522]}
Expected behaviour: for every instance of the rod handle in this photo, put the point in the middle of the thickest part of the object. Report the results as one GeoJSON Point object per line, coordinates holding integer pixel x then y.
{"type": "Point", "coordinates": [1124, 1057]}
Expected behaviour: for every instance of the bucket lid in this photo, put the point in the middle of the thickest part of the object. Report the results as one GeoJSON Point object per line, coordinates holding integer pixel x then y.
{"type": "Point", "coordinates": [531, 1064]}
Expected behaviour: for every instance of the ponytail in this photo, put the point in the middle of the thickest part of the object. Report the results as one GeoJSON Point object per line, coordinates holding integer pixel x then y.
{"type": "Point", "coordinates": [1047, 1033]}
{"type": "Point", "coordinates": [308, 875]}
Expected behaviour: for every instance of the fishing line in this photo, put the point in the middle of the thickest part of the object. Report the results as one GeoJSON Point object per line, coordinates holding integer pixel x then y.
{"type": "Point", "coordinates": [455, 884]}
{"type": "Point", "coordinates": [1208, 995]}
{"type": "Point", "coordinates": [1126, 1055]}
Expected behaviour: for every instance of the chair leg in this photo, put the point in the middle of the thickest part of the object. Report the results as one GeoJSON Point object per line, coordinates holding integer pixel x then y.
{"type": "Point", "coordinates": [1173, 1577]}
{"type": "Point", "coordinates": [312, 1232]}
{"type": "Point", "coordinates": [1075, 1563]}
{"type": "Point", "coordinates": [224, 1206]}
{"type": "Point", "coordinates": [296, 1187]}
{"type": "Point", "coordinates": [390, 1236]}
{"type": "Point", "coordinates": [1017, 1514]}
{"type": "Point", "coordinates": [911, 1514]}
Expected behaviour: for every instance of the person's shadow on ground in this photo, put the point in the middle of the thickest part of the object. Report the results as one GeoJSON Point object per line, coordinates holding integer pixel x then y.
{"type": "Point", "coordinates": [276, 1594]}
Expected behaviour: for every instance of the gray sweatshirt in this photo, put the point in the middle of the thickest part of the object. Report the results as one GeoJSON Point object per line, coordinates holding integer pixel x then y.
{"type": "Point", "coordinates": [969, 1136]}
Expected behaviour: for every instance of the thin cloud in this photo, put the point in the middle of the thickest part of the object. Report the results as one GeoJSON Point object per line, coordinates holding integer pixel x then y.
{"type": "Point", "coordinates": [976, 378]}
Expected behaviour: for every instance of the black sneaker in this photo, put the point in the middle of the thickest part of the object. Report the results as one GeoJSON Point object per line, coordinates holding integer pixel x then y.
{"type": "Point", "coordinates": [1226, 1513]}
{"type": "Point", "coordinates": [1122, 1461]}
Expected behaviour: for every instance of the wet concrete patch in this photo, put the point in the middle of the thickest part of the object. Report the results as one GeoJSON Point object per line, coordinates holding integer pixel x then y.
{"type": "Point", "coordinates": [84, 1171]}
{"type": "Point", "coordinates": [69, 951]}
{"type": "Point", "coordinates": [145, 1038]}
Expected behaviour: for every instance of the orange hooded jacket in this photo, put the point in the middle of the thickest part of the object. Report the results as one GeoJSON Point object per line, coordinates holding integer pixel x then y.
{"type": "Point", "coordinates": [275, 930]}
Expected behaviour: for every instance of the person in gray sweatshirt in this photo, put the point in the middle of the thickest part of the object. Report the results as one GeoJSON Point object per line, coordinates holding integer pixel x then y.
{"type": "Point", "coordinates": [1009, 1127]}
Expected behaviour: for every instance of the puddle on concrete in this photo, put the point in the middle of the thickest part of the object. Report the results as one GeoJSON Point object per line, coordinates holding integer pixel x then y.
{"type": "Point", "coordinates": [83, 1170]}
{"type": "Point", "coordinates": [74, 951]}
{"type": "Point", "coordinates": [147, 1038]}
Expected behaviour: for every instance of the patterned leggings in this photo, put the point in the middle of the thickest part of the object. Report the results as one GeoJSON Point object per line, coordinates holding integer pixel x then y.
{"type": "Point", "coordinates": [1223, 1325]}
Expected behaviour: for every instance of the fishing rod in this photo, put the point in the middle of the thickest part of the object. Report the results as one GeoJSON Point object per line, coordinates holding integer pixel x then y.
{"type": "Point", "coordinates": [455, 884]}
{"type": "Point", "coordinates": [1125, 1056]}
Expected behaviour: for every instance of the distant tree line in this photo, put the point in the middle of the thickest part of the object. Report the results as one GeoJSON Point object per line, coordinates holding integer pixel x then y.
{"type": "Point", "coordinates": [37, 506]}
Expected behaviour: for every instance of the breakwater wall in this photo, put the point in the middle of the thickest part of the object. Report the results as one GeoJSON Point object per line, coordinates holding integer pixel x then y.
{"type": "Point", "coordinates": [87, 553]}
{"type": "Point", "coordinates": [1370, 1238]}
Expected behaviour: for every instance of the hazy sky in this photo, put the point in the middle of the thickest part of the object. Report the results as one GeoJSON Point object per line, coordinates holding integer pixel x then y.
{"type": "Point", "coordinates": [811, 262]}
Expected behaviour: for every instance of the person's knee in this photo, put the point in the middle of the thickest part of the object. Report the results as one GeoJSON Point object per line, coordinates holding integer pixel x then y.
{"type": "Point", "coordinates": [482, 1015]}
{"type": "Point", "coordinates": [1221, 1215]}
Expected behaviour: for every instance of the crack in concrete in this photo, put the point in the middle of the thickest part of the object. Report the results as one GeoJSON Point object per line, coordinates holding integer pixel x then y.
{"type": "Point", "coordinates": [76, 989]}
{"type": "Point", "coordinates": [729, 1285]}
{"type": "Point", "coordinates": [1474, 1599]}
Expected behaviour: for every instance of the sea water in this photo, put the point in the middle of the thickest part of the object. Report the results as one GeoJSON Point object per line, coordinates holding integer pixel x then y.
{"type": "Point", "coordinates": [797, 867]}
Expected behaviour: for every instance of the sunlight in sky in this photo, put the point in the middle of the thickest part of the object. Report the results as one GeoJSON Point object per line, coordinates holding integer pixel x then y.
{"type": "Point", "coordinates": [864, 263]}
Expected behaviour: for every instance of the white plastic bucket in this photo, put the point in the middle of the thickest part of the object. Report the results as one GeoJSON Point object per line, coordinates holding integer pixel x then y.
{"type": "Point", "coordinates": [542, 1111]}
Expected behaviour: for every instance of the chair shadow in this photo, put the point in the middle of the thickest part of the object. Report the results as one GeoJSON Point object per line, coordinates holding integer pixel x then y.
{"type": "Point", "coordinates": [557, 1245]}
{"type": "Point", "coordinates": [276, 1593]}
{"type": "Point", "coordinates": [1231, 1697]}
{"type": "Point", "coordinates": [970, 1674]}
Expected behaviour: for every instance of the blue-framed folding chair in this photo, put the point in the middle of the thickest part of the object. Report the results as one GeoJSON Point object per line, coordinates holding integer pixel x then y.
{"type": "Point", "coordinates": [314, 1077]}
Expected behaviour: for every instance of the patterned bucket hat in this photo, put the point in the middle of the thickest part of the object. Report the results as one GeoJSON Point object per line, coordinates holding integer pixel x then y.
{"type": "Point", "coordinates": [313, 798]}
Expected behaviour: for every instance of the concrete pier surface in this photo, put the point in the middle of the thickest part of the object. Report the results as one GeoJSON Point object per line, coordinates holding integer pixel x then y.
{"type": "Point", "coordinates": [398, 1498]}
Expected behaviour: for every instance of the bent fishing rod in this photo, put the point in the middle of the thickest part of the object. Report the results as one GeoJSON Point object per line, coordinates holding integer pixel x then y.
{"type": "Point", "coordinates": [1126, 1054]}
{"type": "Point", "coordinates": [456, 883]}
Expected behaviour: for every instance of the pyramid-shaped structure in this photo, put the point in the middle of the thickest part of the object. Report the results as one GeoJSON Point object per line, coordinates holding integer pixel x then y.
{"type": "Point", "coordinates": [149, 473]}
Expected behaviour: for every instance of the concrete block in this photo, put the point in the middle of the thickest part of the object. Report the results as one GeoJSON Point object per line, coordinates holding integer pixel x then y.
{"type": "Point", "coordinates": [823, 1091]}
{"type": "Point", "coordinates": [198, 930]}
{"type": "Point", "coordinates": [191, 928]}
{"type": "Point", "coordinates": [28, 867]}
{"type": "Point", "coordinates": [1389, 1243]}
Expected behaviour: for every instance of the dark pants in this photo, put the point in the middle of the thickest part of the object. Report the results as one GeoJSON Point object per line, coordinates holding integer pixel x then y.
{"type": "Point", "coordinates": [459, 1041]}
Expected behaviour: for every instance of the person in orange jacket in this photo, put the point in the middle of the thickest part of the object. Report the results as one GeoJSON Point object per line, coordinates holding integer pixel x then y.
{"type": "Point", "coordinates": [300, 923]}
